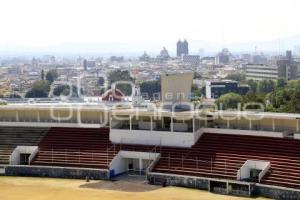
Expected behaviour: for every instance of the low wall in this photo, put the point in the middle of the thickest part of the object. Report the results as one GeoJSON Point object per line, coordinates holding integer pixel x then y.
{"type": "Point", "coordinates": [243, 132]}
{"type": "Point", "coordinates": [276, 192]}
{"type": "Point", "coordinates": [117, 165]}
{"type": "Point", "coordinates": [174, 180]}
{"type": "Point", "coordinates": [273, 192]}
{"type": "Point", "coordinates": [56, 172]}
{"type": "Point", "coordinates": [146, 137]}
{"type": "Point", "coordinates": [297, 136]}
{"type": "Point", "coordinates": [51, 124]}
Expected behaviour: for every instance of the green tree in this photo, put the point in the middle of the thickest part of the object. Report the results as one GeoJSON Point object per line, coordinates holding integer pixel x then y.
{"type": "Point", "coordinates": [236, 77]}
{"type": "Point", "coordinates": [65, 90]}
{"type": "Point", "coordinates": [119, 75]}
{"type": "Point", "coordinates": [266, 86]}
{"type": "Point", "coordinates": [281, 82]}
{"type": "Point", "coordinates": [51, 76]}
{"type": "Point", "coordinates": [149, 88]}
{"type": "Point", "coordinates": [42, 75]}
{"type": "Point", "coordinates": [40, 89]}
{"type": "Point", "coordinates": [197, 75]}
{"type": "Point", "coordinates": [196, 91]}
{"type": "Point", "coordinates": [253, 85]}
{"type": "Point", "coordinates": [285, 99]}
{"type": "Point", "coordinates": [229, 101]}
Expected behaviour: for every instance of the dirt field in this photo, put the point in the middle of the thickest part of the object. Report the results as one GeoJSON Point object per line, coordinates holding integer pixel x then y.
{"type": "Point", "coordinates": [19, 188]}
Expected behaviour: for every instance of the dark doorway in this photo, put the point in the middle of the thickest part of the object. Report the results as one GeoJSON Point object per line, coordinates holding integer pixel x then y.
{"type": "Point", "coordinates": [24, 159]}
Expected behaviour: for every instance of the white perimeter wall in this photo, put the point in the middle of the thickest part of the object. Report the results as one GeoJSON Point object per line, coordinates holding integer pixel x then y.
{"type": "Point", "coordinates": [243, 132]}
{"type": "Point", "coordinates": [178, 139]}
{"type": "Point", "coordinates": [118, 164]}
{"type": "Point", "coordinates": [145, 137]}
{"type": "Point", "coordinates": [297, 136]}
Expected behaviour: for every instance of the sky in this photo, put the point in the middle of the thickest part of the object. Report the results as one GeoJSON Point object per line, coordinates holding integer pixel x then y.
{"type": "Point", "coordinates": [43, 23]}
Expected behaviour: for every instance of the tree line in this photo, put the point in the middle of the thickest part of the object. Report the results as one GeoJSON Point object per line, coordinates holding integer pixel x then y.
{"type": "Point", "coordinates": [274, 95]}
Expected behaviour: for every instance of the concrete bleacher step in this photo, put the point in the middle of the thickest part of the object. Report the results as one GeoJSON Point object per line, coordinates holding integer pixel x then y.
{"type": "Point", "coordinates": [11, 137]}
{"type": "Point", "coordinates": [77, 147]}
{"type": "Point", "coordinates": [229, 152]}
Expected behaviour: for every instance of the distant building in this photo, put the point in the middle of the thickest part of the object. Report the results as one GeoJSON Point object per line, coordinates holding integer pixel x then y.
{"type": "Point", "coordinates": [182, 48]}
{"type": "Point", "coordinates": [260, 72]}
{"type": "Point", "coordinates": [113, 95]}
{"type": "Point", "coordinates": [223, 57]}
{"type": "Point", "coordinates": [88, 64]}
{"type": "Point", "coordinates": [191, 59]}
{"type": "Point", "coordinates": [294, 71]}
{"type": "Point", "coordinates": [116, 59]}
{"type": "Point", "coordinates": [287, 68]}
{"type": "Point", "coordinates": [215, 89]}
{"type": "Point", "coordinates": [282, 69]}
{"type": "Point", "coordinates": [259, 60]}
{"type": "Point", "coordinates": [164, 54]}
{"type": "Point", "coordinates": [145, 57]}
{"type": "Point", "coordinates": [283, 65]}
{"type": "Point", "coordinates": [176, 88]}
{"type": "Point", "coordinates": [246, 57]}
{"type": "Point", "coordinates": [34, 62]}
{"type": "Point", "coordinates": [84, 63]}
{"type": "Point", "coordinates": [289, 56]}
{"type": "Point", "coordinates": [91, 63]}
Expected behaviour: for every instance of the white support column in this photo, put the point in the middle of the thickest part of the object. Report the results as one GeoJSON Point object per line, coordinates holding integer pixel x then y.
{"type": "Point", "coordinates": [273, 125]}
{"type": "Point", "coordinates": [193, 124]}
{"type": "Point", "coordinates": [110, 121]}
{"type": "Point", "coordinates": [172, 124]}
{"type": "Point", "coordinates": [227, 187]}
{"type": "Point", "coordinates": [79, 119]}
{"type": "Point", "coordinates": [58, 117]}
{"type": "Point", "coordinates": [228, 123]}
{"type": "Point", "coordinates": [141, 165]}
{"type": "Point", "coordinates": [38, 116]}
{"type": "Point", "coordinates": [100, 118]}
{"type": "Point", "coordinates": [17, 116]}
{"type": "Point", "coordinates": [297, 125]}
{"type": "Point", "coordinates": [250, 124]}
{"type": "Point", "coordinates": [151, 124]}
{"type": "Point", "coordinates": [130, 122]}
{"type": "Point", "coordinates": [249, 190]}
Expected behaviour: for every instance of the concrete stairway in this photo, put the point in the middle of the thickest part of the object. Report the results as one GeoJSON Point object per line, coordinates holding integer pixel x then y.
{"type": "Point", "coordinates": [11, 137]}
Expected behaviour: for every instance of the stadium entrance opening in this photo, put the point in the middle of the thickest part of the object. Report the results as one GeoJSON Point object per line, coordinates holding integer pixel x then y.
{"type": "Point", "coordinates": [137, 166]}
{"type": "Point", "coordinates": [133, 163]}
{"type": "Point", "coordinates": [254, 175]}
{"type": "Point", "coordinates": [24, 159]}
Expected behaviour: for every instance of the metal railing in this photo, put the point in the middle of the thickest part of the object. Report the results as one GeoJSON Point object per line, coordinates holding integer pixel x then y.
{"type": "Point", "coordinates": [76, 156]}
{"type": "Point", "coordinates": [113, 149]}
{"type": "Point", "coordinates": [155, 159]}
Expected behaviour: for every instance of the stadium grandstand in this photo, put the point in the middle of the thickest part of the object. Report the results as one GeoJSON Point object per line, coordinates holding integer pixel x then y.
{"type": "Point", "coordinates": [244, 153]}
{"type": "Point", "coordinates": [240, 153]}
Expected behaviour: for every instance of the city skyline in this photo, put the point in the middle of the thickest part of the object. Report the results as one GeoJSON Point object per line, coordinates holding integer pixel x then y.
{"type": "Point", "coordinates": [144, 25]}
